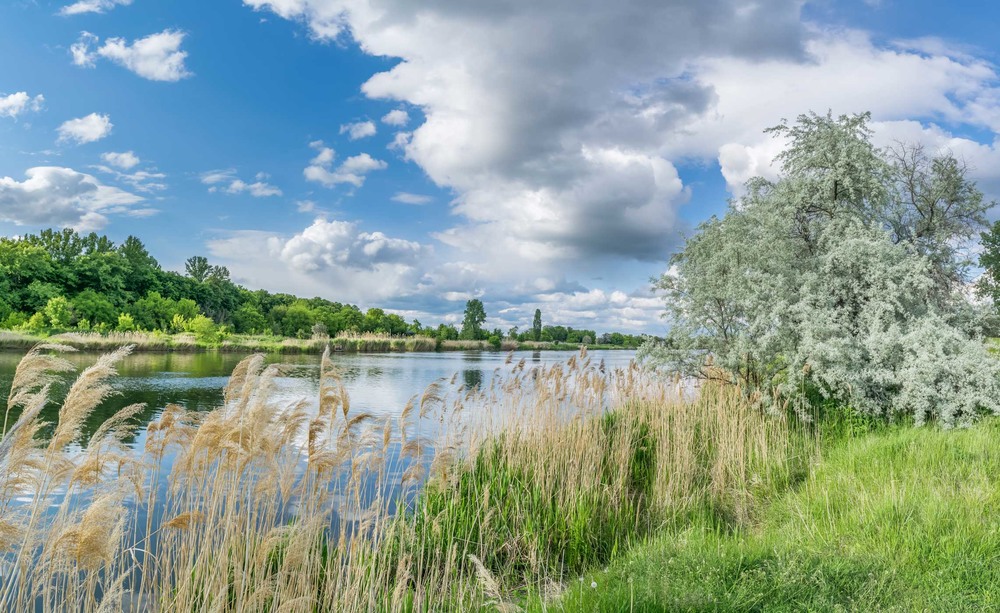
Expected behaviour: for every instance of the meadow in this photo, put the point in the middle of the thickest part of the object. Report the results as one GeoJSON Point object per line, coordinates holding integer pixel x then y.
{"type": "Point", "coordinates": [567, 487]}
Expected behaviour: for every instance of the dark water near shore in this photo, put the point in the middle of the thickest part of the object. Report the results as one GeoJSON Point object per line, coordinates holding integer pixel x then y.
{"type": "Point", "coordinates": [377, 383]}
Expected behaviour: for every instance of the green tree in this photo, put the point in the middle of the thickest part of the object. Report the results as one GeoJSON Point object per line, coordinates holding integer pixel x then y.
{"type": "Point", "coordinates": [249, 320]}
{"type": "Point", "coordinates": [475, 317]}
{"type": "Point", "coordinates": [126, 323]}
{"type": "Point", "coordinates": [204, 329]}
{"type": "Point", "coordinates": [536, 326]}
{"type": "Point", "coordinates": [59, 312]}
{"type": "Point", "coordinates": [197, 268]}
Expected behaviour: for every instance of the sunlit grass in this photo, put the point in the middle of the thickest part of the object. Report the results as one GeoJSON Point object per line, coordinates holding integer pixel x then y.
{"type": "Point", "coordinates": [904, 519]}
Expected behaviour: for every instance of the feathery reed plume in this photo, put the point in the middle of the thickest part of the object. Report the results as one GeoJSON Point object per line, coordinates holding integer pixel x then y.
{"type": "Point", "coordinates": [89, 390]}
{"type": "Point", "coordinates": [36, 371]}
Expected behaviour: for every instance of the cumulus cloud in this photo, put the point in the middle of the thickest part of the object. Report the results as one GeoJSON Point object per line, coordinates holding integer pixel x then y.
{"type": "Point", "coordinates": [408, 198]}
{"type": "Point", "coordinates": [328, 256]}
{"type": "Point", "coordinates": [547, 116]}
{"type": "Point", "coordinates": [846, 72]}
{"type": "Point", "coordinates": [157, 57]}
{"type": "Point", "coordinates": [92, 6]}
{"type": "Point", "coordinates": [352, 171]}
{"type": "Point", "coordinates": [18, 103]}
{"type": "Point", "coordinates": [87, 129]}
{"type": "Point", "coordinates": [397, 117]}
{"type": "Point", "coordinates": [338, 244]}
{"type": "Point", "coordinates": [53, 196]}
{"type": "Point", "coordinates": [228, 182]}
{"type": "Point", "coordinates": [125, 160]}
{"type": "Point", "coordinates": [358, 130]}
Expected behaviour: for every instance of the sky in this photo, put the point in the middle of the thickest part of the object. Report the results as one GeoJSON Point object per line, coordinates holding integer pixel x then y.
{"type": "Point", "coordinates": [414, 155]}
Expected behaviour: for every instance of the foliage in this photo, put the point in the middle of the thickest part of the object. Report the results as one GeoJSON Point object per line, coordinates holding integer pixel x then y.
{"type": "Point", "coordinates": [204, 329]}
{"type": "Point", "coordinates": [126, 323]}
{"type": "Point", "coordinates": [475, 317]}
{"type": "Point", "coordinates": [59, 312]}
{"type": "Point", "coordinates": [840, 279]}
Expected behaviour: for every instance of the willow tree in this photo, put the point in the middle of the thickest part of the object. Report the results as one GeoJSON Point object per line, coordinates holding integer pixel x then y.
{"type": "Point", "coordinates": [843, 279]}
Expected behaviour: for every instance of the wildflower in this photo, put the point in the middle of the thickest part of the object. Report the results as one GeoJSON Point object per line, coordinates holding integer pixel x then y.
{"type": "Point", "coordinates": [593, 585]}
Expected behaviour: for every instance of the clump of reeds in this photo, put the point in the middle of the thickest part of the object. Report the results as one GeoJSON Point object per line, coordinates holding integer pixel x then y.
{"type": "Point", "coordinates": [466, 498]}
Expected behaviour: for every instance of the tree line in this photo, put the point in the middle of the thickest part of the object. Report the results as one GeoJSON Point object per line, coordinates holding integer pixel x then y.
{"type": "Point", "coordinates": [60, 280]}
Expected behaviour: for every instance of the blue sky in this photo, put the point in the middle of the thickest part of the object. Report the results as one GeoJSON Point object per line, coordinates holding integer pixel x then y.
{"type": "Point", "coordinates": [412, 155]}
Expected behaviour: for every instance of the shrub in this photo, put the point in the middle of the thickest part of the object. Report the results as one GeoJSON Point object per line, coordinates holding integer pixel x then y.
{"type": "Point", "coordinates": [204, 330]}
{"type": "Point", "coordinates": [59, 312]}
{"type": "Point", "coordinates": [126, 323]}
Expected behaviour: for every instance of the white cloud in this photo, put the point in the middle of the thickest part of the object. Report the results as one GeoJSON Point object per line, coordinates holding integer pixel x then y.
{"type": "Point", "coordinates": [359, 130]}
{"type": "Point", "coordinates": [846, 73]}
{"type": "Point", "coordinates": [537, 114]}
{"type": "Point", "coordinates": [328, 256]}
{"type": "Point", "coordinates": [400, 141]}
{"type": "Point", "coordinates": [352, 171]}
{"type": "Point", "coordinates": [141, 180]}
{"type": "Point", "coordinates": [228, 182]}
{"type": "Point", "coordinates": [53, 196]}
{"type": "Point", "coordinates": [87, 129]}
{"type": "Point", "coordinates": [19, 103]}
{"type": "Point", "coordinates": [157, 57]}
{"type": "Point", "coordinates": [397, 117]}
{"type": "Point", "coordinates": [125, 161]}
{"type": "Point", "coordinates": [408, 198]}
{"type": "Point", "coordinates": [92, 6]}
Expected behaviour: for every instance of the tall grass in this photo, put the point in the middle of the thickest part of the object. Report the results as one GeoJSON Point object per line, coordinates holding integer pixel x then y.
{"type": "Point", "coordinates": [464, 500]}
{"type": "Point", "coordinates": [902, 519]}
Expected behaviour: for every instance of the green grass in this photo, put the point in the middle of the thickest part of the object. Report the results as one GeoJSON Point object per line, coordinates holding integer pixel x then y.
{"type": "Point", "coordinates": [900, 519]}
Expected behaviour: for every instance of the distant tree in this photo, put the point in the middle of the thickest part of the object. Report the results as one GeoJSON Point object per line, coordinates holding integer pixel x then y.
{"type": "Point", "coordinates": [94, 307]}
{"type": "Point", "coordinates": [536, 326]}
{"type": "Point", "coordinates": [249, 320]}
{"type": "Point", "coordinates": [447, 332]}
{"type": "Point", "coordinates": [59, 312]}
{"type": "Point", "coordinates": [197, 268]}
{"type": "Point", "coordinates": [126, 323]}
{"type": "Point", "coordinates": [475, 317]}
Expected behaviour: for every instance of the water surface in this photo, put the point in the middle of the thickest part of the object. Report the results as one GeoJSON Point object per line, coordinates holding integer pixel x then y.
{"type": "Point", "coordinates": [377, 383]}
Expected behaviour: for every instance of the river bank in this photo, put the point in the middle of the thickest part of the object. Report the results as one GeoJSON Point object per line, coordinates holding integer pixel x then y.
{"type": "Point", "coordinates": [156, 342]}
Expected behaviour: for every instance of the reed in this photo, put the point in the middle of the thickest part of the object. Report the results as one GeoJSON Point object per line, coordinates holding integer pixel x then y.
{"type": "Point", "coordinates": [467, 499]}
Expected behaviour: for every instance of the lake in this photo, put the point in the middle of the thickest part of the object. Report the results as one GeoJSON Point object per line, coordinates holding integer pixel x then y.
{"type": "Point", "coordinates": [377, 383]}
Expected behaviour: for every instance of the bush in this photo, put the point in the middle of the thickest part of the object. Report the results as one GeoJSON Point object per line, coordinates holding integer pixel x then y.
{"type": "Point", "coordinates": [59, 312]}
{"type": "Point", "coordinates": [126, 323]}
{"type": "Point", "coordinates": [35, 324]}
{"type": "Point", "coordinates": [204, 330]}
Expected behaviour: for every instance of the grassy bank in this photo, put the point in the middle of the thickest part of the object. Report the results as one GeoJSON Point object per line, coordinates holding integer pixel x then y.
{"type": "Point", "coordinates": [898, 520]}
{"type": "Point", "coordinates": [246, 343]}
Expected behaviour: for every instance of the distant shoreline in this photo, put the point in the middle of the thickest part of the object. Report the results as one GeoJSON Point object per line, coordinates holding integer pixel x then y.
{"type": "Point", "coordinates": [186, 343]}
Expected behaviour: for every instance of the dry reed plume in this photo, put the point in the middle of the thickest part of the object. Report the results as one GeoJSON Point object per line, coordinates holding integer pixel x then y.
{"type": "Point", "coordinates": [315, 506]}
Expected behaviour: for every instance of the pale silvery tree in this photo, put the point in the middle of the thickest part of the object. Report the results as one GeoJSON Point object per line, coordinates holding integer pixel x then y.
{"type": "Point", "coordinates": [840, 280]}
